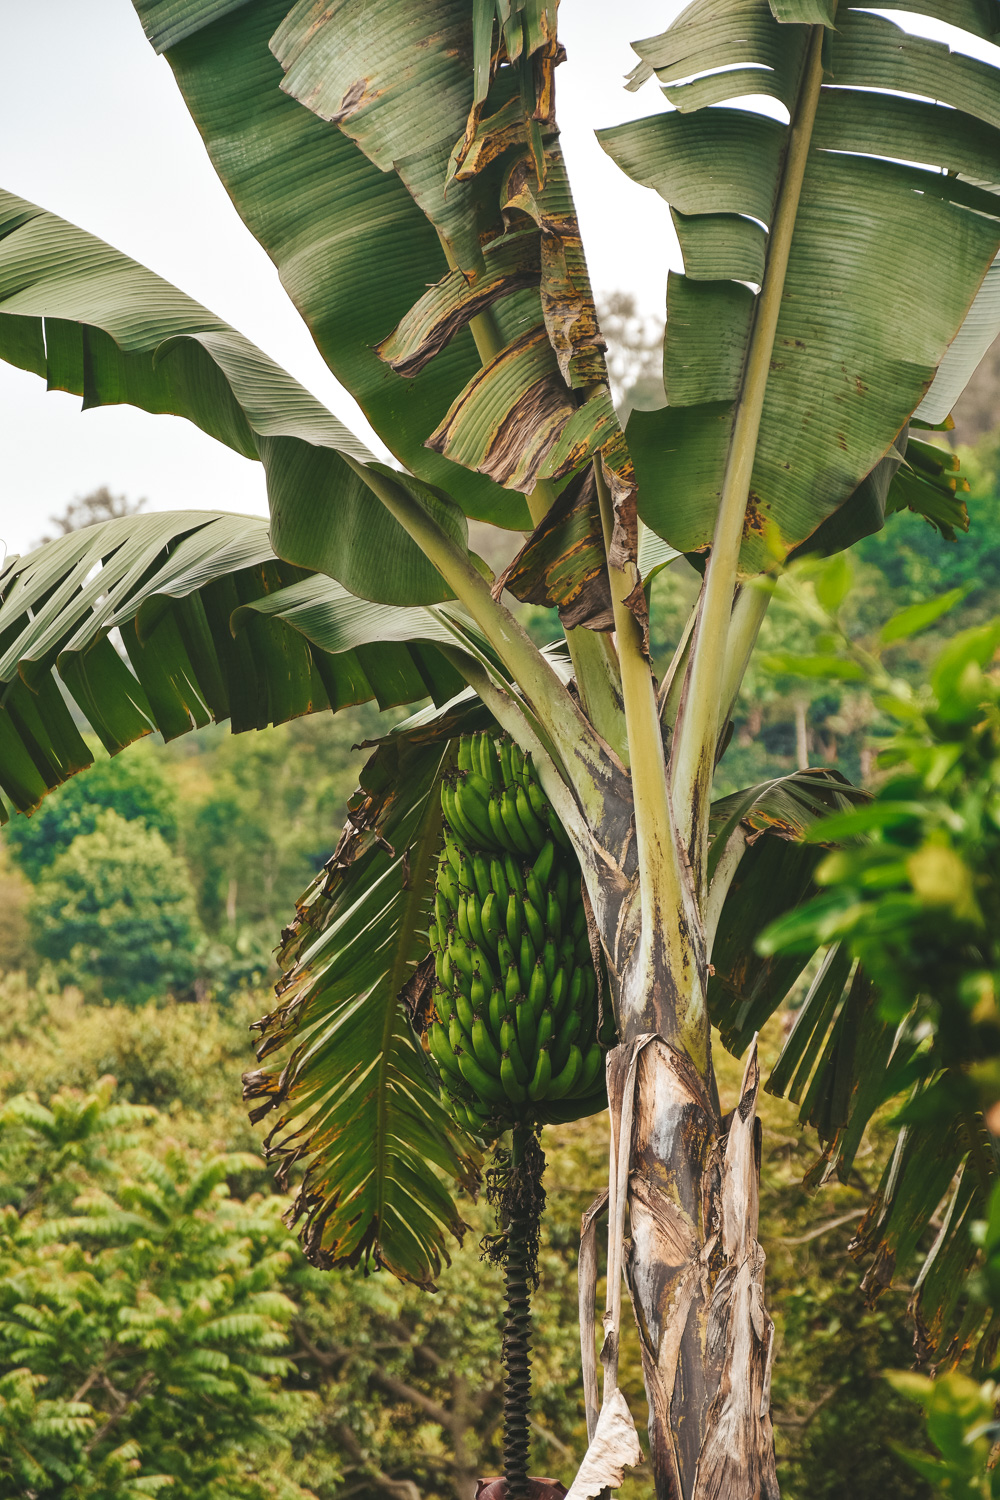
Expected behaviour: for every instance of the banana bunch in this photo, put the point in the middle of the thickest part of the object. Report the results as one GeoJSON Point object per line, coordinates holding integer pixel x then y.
{"type": "Point", "coordinates": [514, 1036]}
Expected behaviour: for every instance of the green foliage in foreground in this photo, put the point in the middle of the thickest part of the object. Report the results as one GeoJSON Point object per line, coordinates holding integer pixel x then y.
{"type": "Point", "coordinates": [141, 1330]}
{"type": "Point", "coordinates": [115, 912]}
{"type": "Point", "coordinates": [388, 1382]}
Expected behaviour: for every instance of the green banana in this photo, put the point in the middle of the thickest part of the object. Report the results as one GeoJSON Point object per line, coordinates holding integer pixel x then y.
{"type": "Point", "coordinates": [447, 886]}
{"type": "Point", "coordinates": [458, 1037]}
{"type": "Point", "coordinates": [544, 864]}
{"type": "Point", "coordinates": [576, 987]}
{"type": "Point", "coordinates": [559, 992]}
{"type": "Point", "coordinates": [444, 1004]}
{"type": "Point", "coordinates": [490, 920]}
{"type": "Point", "coordinates": [526, 960]}
{"type": "Point", "coordinates": [513, 917]}
{"type": "Point", "coordinates": [550, 960]}
{"type": "Point", "coordinates": [479, 995]}
{"type": "Point", "coordinates": [567, 1034]}
{"type": "Point", "coordinates": [479, 1080]}
{"type": "Point", "coordinates": [506, 957]}
{"type": "Point", "coordinates": [464, 1013]}
{"type": "Point", "coordinates": [481, 875]}
{"type": "Point", "coordinates": [511, 1047]}
{"type": "Point", "coordinates": [455, 816]}
{"type": "Point", "coordinates": [466, 751]}
{"type": "Point", "coordinates": [511, 1084]}
{"type": "Point", "coordinates": [535, 925]}
{"type": "Point", "coordinates": [538, 989]}
{"type": "Point", "coordinates": [498, 1009]}
{"type": "Point", "coordinates": [440, 1049]}
{"type": "Point", "coordinates": [492, 766]}
{"type": "Point", "coordinates": [593, 1062]}
{"type": "Point", "coordinates": [526, 1028]}
{"type": "Point", "coordinates": [474, 914]}
{"type": "Point", "coordinates": [482, 963]}
{"type": "Point", "coordinates": [461, 955]}
{"type": "Point", "coordinates": [498, 881]}
{"type": "Point", "coordinates": [484, 1047]}
{"type": "Point", "coordinates": [546, 1024]}
{"type": "Point", "coordinates": [515, 1016]}
{"type": "Point", "coordinates": [514, 873]}
{"type": "Point", "coordinates": [578, 926]}
{"type": "Point", "coordinates": [496, 824]}
{"type": "Point", "coordinates": [462, 914]}
{"type": "Point", "coordinates": [539, 1085]}
{"type": "Point", "coordinates": [508, 811]}
{"type": "Point", "coordinates": [471, 805]}
{"type": "Point", "coordinates": [566, 1079]}
{"type": "Point", "coordinates": [535, 832]}
{"type": "Point", "coordinates": [537, 798]}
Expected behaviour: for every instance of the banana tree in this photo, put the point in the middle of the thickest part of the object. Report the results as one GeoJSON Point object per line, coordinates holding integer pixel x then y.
{"type": "Point", "coordinates": [401, 166]}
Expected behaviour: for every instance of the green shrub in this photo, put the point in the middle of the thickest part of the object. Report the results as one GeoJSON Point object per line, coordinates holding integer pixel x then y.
{"type": "Point", "coordinates": [142, 1325]}
{"type": "Point", "coordinates": [133, 786]}
{"type": "Point", "coordinates": [115, 913]}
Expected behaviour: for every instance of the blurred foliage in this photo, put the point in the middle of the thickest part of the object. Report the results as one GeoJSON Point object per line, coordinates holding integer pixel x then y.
{"type": "Point", "coordinates": [115, 912]}
{"type": "Point", "coordinates": [141, 1324]}
{"type": "Point", "coordinates": [963, 1427]}
{"type": "Point", "coordinates": [913, 893]}
{"type": "Point", "coordinates": [133, 786]}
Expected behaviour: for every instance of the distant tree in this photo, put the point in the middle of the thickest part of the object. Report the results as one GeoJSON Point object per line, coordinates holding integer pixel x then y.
{"type": "Point", "coordinates": [134, 788]}
{"type": "Point", "coordinates": [115, 912]}
{"type": "Point", "coordinates": [88, 510]}
{"type": "Point", "coordinates": [635, 350]}
{"type": "Point", "coordinates": [141, 1332]}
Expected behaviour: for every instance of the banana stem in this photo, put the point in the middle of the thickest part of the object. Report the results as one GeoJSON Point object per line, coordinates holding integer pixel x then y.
{"type": "Point", "coordinates": [571, 732]}
{"type": "Point", "coordinates": [693, 755]}
{"type": "Point", "coordinates": [517, 1329]}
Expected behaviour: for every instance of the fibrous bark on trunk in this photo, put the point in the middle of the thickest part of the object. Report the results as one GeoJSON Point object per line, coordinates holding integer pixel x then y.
{"type": "Point", "coordinates": [695, 1274]}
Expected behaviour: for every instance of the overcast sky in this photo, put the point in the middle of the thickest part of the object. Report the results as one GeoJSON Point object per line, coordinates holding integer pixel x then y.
{"type": "Point", "coordinates": [93, 128]}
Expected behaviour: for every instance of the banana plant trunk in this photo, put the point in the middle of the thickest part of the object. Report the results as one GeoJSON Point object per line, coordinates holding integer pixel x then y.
{"type": "Point", "coordinates": [692, 1262]}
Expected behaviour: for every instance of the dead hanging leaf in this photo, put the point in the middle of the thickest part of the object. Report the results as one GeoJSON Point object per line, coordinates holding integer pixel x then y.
{"type": "Point", "coordinates": [510, 415]}
{"type": "Point", "coordinates": [737, 1455]}
{"type": "Point", "coordinates": [417, 994]}
{"type": "Point", "coordinates": [614, 1449]}
{"type": "Point", "coordinates": [562, 563]}
{"type": "Point", "coordinates": [567, 299]}
{"type": "Point", "coordinates": [511, 263]}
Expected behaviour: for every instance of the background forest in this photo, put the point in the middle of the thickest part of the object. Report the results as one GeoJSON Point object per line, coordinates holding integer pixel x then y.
{"type": "Point", "coordinates": [159, 1329]}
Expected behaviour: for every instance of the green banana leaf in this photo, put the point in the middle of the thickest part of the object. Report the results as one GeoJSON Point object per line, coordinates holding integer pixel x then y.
{"type": "Point", "coordinates": [405, 189]}
{"type": "Point", "coordinates": [887, 255]}
{"type": "Point", "coordinates": [359, 1109]}
{"type": "Point", "coordinates": [92, 321]}
{"type": "Point", "coordinates": [212, 625]}
{"type": "Point", "coordinates": [353, 249]}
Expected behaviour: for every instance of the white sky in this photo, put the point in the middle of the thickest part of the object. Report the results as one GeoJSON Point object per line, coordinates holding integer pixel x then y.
{"type": "Point", "coordinates": [93, 128]}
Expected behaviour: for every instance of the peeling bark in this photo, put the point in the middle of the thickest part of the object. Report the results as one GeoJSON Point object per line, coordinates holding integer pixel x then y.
{"type": "Point", "coordinates": [695, 1272]}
